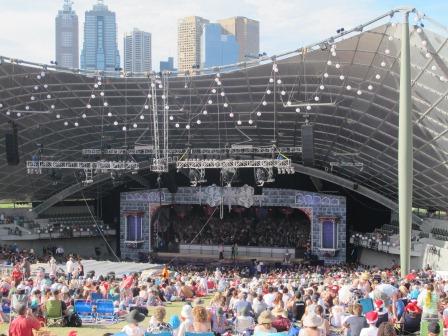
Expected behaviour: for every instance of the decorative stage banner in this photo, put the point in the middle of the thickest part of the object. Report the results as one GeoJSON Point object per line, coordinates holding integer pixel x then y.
{"type": "Point", "coordinates": [214, 195]}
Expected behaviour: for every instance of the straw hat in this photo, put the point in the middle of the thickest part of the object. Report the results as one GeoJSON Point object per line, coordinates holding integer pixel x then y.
{"type": "Point", "coordinates": [278, 311]}
{"type": "Point", "coordinates": [265, 317]}
{"type": "Point", "coordinates": [312, 321]}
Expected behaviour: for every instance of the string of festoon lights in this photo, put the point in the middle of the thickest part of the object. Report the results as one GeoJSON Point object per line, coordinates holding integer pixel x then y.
{"type": "Point", "coordinates": [39, 97]}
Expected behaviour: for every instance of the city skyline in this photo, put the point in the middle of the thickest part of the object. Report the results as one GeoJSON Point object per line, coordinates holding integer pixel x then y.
{"type": "Point", "coordinates": [67, 37]}
{"type": "Point", "coordinates": [285, 25]}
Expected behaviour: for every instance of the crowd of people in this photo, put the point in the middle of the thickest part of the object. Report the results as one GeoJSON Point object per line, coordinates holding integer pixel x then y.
{"type": "Point", "coordinates": [274, 227]}
{"type": "Point", "coordinates": [301, 300]}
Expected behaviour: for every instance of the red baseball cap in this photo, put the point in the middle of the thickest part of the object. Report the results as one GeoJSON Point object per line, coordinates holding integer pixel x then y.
{"type": "Point", "coordinates": [372, 317]}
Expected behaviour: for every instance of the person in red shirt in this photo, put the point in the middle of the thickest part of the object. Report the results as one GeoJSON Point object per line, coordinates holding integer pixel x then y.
{"type": "Point", "coordinates": [17, 275]}
{"type": "Point", "coordinates": [24, 323]}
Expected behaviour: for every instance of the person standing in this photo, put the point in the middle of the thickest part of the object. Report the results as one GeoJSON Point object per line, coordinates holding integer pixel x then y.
{"type": "Point", "coordinates": [53, 266]}
{"type": "Point", "coordinates": [372, 330]}
{"type": "Point", "coordinates": [69, 268]}
{"type": "Point", "coordinates": [221, 252]}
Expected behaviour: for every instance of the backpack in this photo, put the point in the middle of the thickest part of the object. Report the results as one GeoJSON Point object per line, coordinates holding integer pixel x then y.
{"type": "Point", "coordinates": [74, 321]}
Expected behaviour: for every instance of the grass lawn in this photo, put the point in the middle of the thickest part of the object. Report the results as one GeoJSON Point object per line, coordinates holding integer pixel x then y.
{"type": "Point", "coordinates": [88, 330]}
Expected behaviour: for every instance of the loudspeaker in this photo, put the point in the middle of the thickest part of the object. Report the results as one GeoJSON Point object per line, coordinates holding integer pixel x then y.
{"type": "Point", "coordinates": [12, 147]}
{"type": "Point", "coordinates": [308, 145]}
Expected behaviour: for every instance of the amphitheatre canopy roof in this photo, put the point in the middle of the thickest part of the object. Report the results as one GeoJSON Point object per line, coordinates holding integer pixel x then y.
{"type": "Point", "coordinates": [350, 83]}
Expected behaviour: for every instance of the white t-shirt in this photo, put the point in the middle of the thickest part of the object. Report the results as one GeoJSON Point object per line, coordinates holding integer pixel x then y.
{"type": "Point", "coordinates": [269, 299]}
{"type": "Point", "coordinates": [70, 266]}
{"type": "Point", "coordinates": [370, 331]}
{"type": "Point", "coordinates": [137, 331]}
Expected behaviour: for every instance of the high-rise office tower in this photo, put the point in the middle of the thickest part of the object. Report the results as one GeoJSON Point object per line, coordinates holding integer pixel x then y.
{"type": "Point", "coordinates": [137, 51]}
{"type": "Point", "coordinates": [167, 65]}
{"type": "Point", "coordinates": [247, 33]}
{"type": "Point", "coordinates": [218, 48]}
{"type": "Point", "coordinates": [67, 37]}
{"type": "Point", "coordinates": [189, 31]}
{"type": "Point", "coordinates": [100, 51]}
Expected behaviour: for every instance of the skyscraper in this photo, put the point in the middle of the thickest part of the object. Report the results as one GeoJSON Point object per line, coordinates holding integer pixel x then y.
{"type": "Point", "coordinates": [247, 33]}
{"type": "Point", "coordinates": [218, 48]}
{"type": "Point", "coordinates": [137, 51]}
{"type": "Point", "coordinates": [67, 37]}
{"type": "Point", "coordinates": [167, 65]}
{"type": "Point", "coordinates": [100, 51]}
{"type": "Point", "coordinates": [189, 31]}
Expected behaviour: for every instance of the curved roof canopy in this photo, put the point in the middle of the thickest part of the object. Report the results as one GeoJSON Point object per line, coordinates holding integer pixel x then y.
{"type": "Point", "coordinates": [350, 83]}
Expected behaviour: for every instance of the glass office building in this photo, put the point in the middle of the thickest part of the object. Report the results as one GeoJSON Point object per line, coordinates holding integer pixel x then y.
{"type": "Point", "coordinates": [218, 48]}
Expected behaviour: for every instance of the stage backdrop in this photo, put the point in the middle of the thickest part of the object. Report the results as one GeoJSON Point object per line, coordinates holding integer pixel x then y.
{"type": "Point", "coordinates": [327, 214]}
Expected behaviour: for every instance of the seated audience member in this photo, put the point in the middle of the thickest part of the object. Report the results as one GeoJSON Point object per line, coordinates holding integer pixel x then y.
{"type": "Point", "coordinates": [24, 323]}
{"type": "Point", "coordinates": [243, 321]}
{"type": "Point", "coordinates": [264, 323]}
{"type": "Point", "coordinates": [157, 323]}
{"type": "Point", "coordinates": [386, 329]}
{"type": "Point", "coordinates": [311, 324]}
{"type": "Point", "coordinates": [372, 330]}
{"type": "Point", "coordinates": [133, 328]}
{"type": "Point", "coordinates": [280, 321]}
{"type": "Point", "coordinates": [200, 320]}
{"type": "Point", "coordinates": [411, 318]}
{"type": "Point", "coordinates": [383, 315]}
{"type": "Point", "coordinates": [354, 323]}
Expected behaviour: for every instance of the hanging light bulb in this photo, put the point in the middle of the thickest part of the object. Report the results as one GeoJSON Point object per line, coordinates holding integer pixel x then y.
{"type": "Point", "coordinates": [124, 128]}
{"type": "Point", "coordinates": [58, 116]}
{"type": "Point", "coordinates": [419, 30]}
{"type": "Point", "coordinates": [198, 121]}
{"type": "Point", "coordinates": [52, 107]}
{"type": "Point", "coordinates": [321, 87]}
{"type": "Point", "coordinates": [428, 55]}
{"type": "Point", "coordinates": [146, 107]}
{"type": "Point", "coordinates": [187, 126]}
{"type": "Point", "coordinates": [204, 112]}
{"type": "Point", "coordinates": [134, 125]}
{"type": "Point", "coordinates": [99, 83]}
{"type": "Point", "coordinates": [210, 101]}
{"type": "Point", "coordinates": [8, 112]}
{"type": "Point", "coordinates": [239, 122]}
{"type": "Point", "coordinates": [271, 80]}
{"type": "Point", "coordinates": [329, 62]}
{"type": "Point", "coordinates": [308, 107]}
{"type": "Point", "coordinates": [258, 114]}
{"type": "Point", "coordinates": [390, 38]}
{"type": "Point", "coordinates": [27, 107]}
{"type": "Point", "coordinates": [326, 75]}
{"type": "Point", "coordinates": [268, 92]}
{"type": "Point", "coordinates": [19, 114]}
{"type": "Point", "coordinates": [84, 116]}
{"type": "Point", "coordinates": [298, 110]}
{"type": "Point", "coordinates": [153, 85]}
{"type": "Point", "coordinates": [264, 103]}
{"type": "Point", "coordinates": [316, 98]}
{"type": "Point", "coordinates": [142, 117]}
{"type": "Point", "coordinates": [102, 94]}
{"type": "Point", "coordinates": [370, 87]}
{"type": "Point", "coordinates": [231, 115]}
{"type": "Point", "coordinates": [48, 96]}
{"type": "Point", "coordinates": [218, 82]}
{"type": "Point", "coordinates": [95, 86]}
{"type": "Point", "coordinates": [149, 95]}
{"type": "Point", "coordinates": [89, 106]}
{"type": "Point", "coordinates": [424, 43]}
{"type": "Point", "coordinates": [171, 118]}
{"type": "Point", "coordinates": [45, 86]}
{"type": "Point", "coordinates": [76, 124]}
{"type": "Point", "coordinates": [167, 107]}
{"type": "Point", "coordinates": [38, 77]}
{"type": "Point", "coordinates": [109, 114]}
{"type": "Point", "coordinates": [337, 65]}
{"type": "Point", "coordinates": [65, 123]}
{"type": "Point", "coordinates": [433, 68]}
{"type": "Point", "coordinates": [226, 104]}
{"type": "Point", "coordinates": [116, 123]}
{"type": "Point", "coordinates": [223, 94]}
{"type": "Point", "coordinates": [377, 76]}
{"type": "Point", "coordinates": [213, 90]}
{"type": "Point", "coordinates": [163, 97]}
{"type": "Point", "coordinates": [33, 98]}
{"type": "Point", "coordinates": [250, 121]}
{"type": "Point", "coordinates": [359, 92]}
{"type": "Point", "coordinates": [92, 96]}
{"type": "Point", "coordinates": [160, 86]}
{"type": "Point", "coordinates": [288, 103]}
{"type": "Point", "coordinates": [387, 51]}
{"type": "Point", "coordinates": [177, 125]}
{"type": "Point", "coordinates": [333, 53]}
{"type": "Point", "coordinates": [383, 64]}
{"type": "Point", "coordinates": [36, 87]}
{"type": "Point", "coordinates": [279, 81]}
{"type": "Point", "coordinates": [348, 87]}
{"type": "Point", "coordinates": [106, 104]}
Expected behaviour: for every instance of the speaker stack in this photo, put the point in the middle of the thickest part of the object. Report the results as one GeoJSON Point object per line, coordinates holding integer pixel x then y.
{"type": "Point", "coordinates": [12, 146]}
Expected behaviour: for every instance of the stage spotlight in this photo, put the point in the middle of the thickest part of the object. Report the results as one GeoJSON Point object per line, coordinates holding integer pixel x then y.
{"type": "Point", "coordinates": [228, 175]}
{"type": "Point", "coordinates": [196, 176]}
{"type": "Point", "coordinates": [263, 175]}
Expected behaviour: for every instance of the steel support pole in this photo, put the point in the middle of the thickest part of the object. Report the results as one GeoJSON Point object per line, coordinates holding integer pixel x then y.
{"type": "Point", "coordinates": [405, 155]}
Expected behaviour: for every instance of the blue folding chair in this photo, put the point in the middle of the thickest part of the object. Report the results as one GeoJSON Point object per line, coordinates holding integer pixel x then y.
{"type": "Point", "coordinates": [162, 333]}
{"type": "Point", "coordinates": [105, 311]}
{"type": "Point", "coordinates": [188, 333]}
{"type": "Point", "coordinates": [96, 296]}
{"type": "Point", "coordinates": [84, 309]}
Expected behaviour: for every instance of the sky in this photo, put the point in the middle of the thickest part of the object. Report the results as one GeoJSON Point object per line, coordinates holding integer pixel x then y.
{"type": "Point", "coordinates": [27, 26]}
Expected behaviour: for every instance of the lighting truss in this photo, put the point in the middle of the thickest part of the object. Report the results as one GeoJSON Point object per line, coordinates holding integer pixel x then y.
{"type": "Point", "coordinates": [35, 167]}
{"type": "Point", "coordinates": [197, 151]}
{"type": "Point", "coordinates": [280, 164]}
{"type": "Point", "coordinates": [347, 164]}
